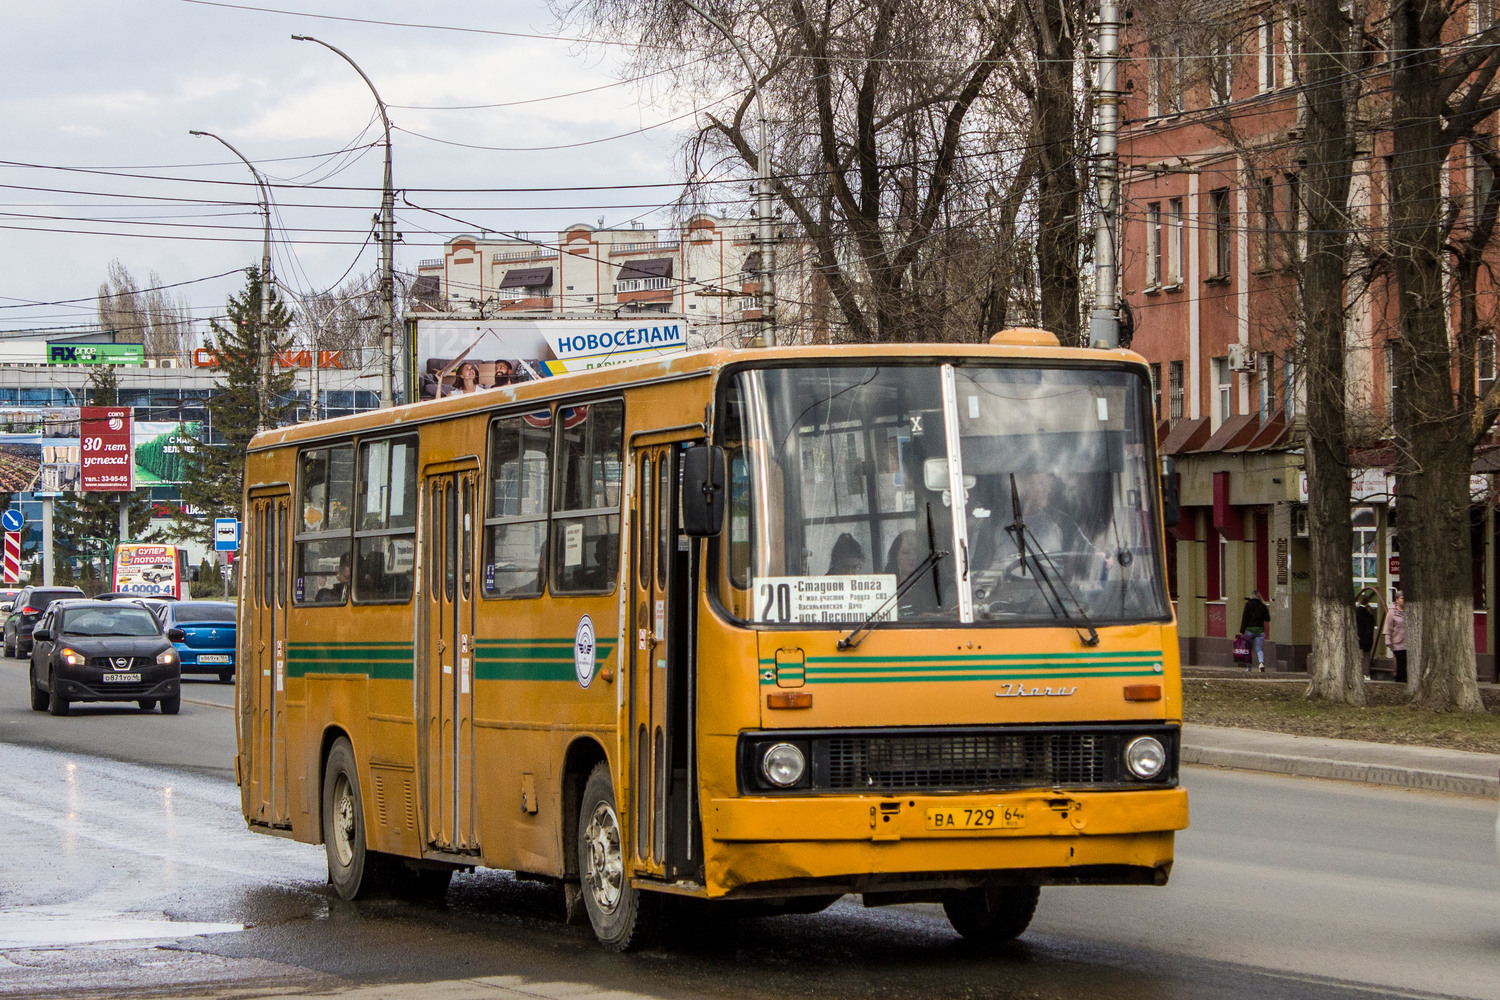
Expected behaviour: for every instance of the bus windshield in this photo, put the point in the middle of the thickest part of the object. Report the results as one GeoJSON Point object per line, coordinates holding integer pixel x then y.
{"type": "Point", "coordinates": [843, 482]}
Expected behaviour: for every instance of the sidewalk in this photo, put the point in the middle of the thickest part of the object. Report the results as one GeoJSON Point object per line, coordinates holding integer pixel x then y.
{"type": "Point", "coordinates": [1457, 771]}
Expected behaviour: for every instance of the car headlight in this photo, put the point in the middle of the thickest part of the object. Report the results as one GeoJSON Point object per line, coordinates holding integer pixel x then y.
{"type": "Point", "coordinates": [166, 657]}
{"type": "Point", "coordinates": [72, 657]}
{"type": "Point", "coordinates": [1145, 756]}
{"type": "Point", "coordinates": [783, 765]}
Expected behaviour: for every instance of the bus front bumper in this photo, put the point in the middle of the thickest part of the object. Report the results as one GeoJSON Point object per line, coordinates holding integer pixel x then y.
{"type": "Point", "coordinates": [760, 845]}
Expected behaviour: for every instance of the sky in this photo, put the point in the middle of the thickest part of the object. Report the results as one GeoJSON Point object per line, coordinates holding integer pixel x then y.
{"type": "Point", "coordinates": [499, 125]}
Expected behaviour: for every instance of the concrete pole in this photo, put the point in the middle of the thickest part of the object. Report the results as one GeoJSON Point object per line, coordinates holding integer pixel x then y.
{"type": "Point", "coordinates": [49, 565]}
{"type": "Point", "coordinates": [262, 346]}
{"type": "Point", "coordinates": [387, 221]}
{"type": "Point", "coordinates": [125, 516]}
{"type": "Point", "coordinates": [1104, 321]}
{"type": "Point", "coordinates": [764, 205]}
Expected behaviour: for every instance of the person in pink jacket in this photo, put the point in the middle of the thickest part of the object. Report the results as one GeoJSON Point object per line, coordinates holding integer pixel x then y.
{"type": "Point", "coordinates": [1395, 635]}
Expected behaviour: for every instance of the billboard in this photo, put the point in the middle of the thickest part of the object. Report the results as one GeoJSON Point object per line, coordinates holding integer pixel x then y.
{"type": "Point", "coordinates": [96, 354]}
{"type": "Point", "coordinates": [105, 449]}
{"type": "Point", "coordinates": [148, 570]}
{"type": "Point", "coordinates": [470, 355]}
{"type": "Point", "coordinates": [41, 451]}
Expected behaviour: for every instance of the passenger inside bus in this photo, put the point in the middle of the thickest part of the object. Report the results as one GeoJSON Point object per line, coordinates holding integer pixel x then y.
{"type": "Point", "coordinates": [340, 588]}
{"type": "Point", "coordinates": [848, 556]}
{"type": "Point", "coordinates": [906, 553]}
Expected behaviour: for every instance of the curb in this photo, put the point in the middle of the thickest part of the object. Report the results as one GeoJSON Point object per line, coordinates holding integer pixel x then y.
{"type": "Point", "coordinates": [1338, 770]}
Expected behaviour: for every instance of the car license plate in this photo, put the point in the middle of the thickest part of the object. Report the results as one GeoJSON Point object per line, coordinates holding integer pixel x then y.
{"type": "Point", "coordinates": [976, 818]}
{"type": "Point", "coordinates": [213, 657]}
{"type": "Point", "coordinates": [121, 678]}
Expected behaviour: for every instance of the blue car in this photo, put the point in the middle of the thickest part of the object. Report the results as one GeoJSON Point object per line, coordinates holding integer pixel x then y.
{"type": "Point", "coordinates": [209, 629]}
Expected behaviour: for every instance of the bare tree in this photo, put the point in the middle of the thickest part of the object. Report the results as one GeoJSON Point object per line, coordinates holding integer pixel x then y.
{"type": "Point", "coordinates": [1442, 80]}
{"type": "Point", "coordinates": [888, 135]}
{"type": "Point", "coordinates": [146, 316]}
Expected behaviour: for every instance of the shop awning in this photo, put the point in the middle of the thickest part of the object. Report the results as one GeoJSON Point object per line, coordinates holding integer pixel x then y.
{"type": "Point", "coordinates": [634, 270]}
{"type": "Point", "coordinates": [527, 277]}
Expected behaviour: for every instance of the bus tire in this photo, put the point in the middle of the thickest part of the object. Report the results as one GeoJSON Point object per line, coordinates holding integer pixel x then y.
{"type": "Point", "coordinates": [354, 871]}
{"type": "Point", "coordinates": [622, 916]}
{"type": "Point", "coordinates": [56, 703]}
{"type": "Point", "coordinates": [991, 914]}
{"type": "Point", "coordinates": [172, 705]}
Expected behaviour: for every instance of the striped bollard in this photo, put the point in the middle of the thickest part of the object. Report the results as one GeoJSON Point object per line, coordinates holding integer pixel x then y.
{"type": "Point", "coordinates": [12, 557]}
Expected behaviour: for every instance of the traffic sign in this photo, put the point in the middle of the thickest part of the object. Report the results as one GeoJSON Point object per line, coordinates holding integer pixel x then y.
{"type": "Point", "coordinates": [11, 520]}
{"type": "Point", "coordinates": [226, 534]}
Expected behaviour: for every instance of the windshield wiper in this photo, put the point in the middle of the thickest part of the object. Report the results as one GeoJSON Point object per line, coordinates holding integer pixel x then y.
{"type": "Point", "coordinates": [1018, 531]}
{"type": "Point", "coordinates": [934, 556]}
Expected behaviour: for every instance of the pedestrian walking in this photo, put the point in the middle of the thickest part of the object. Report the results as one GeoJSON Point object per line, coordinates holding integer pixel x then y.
{"type": "Point", "coordinates": [1253, 623]}
{"type": "Point", "coordinates": [1395, 635]}
{"type": "Point", "coordinates": [1364, 628]}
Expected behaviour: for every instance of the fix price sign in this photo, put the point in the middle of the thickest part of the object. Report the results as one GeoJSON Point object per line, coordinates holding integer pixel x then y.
{"type": "Point", "coordinates": [105, 452]}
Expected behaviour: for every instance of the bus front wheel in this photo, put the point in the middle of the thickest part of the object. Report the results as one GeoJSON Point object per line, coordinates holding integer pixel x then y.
{"type": "Point", "coordinates": [351, 866]}
{"type": "Point", "coordinates": [992, 914]}
{"type": "Point", "coordinates": [622, 916]}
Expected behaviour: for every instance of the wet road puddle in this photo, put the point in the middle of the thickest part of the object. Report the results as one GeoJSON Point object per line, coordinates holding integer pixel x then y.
{"type": "Point", "coordinates": [64, 927]}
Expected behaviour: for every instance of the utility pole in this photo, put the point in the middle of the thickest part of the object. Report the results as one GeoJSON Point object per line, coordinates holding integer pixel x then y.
{"type": "Point", "coordinates": [764, 205]}
{"type": "Point", "coordinates": [263, 360]}
{"type": "Point", "coordinates": [1104, 321]}
{"type": "Point", "coordinates": [387, 222]}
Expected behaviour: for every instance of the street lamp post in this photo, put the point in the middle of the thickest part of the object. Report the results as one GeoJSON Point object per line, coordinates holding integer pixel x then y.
{"type": "Point", "coordinates": [263, 357]}
{"type": "Point", "coordinates": [387, 237]}
{"type": "Point", "coordinates": [765, 230]}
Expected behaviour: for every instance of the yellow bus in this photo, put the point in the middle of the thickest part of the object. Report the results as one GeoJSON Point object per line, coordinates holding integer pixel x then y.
{"type": "Point", "coordinates": [712, 626]}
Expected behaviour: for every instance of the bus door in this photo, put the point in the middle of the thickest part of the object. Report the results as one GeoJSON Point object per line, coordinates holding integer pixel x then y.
{"type": "Point", "coordinates": [263, 686]}
{"type": "Point", "coordinates": [662, 571]}
{"type": "Point", "coordinates": [448, 672]}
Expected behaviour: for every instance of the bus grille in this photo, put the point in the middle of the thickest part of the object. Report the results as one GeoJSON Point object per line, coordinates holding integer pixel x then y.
{"type": "Point", "coordinates": [968, 760]}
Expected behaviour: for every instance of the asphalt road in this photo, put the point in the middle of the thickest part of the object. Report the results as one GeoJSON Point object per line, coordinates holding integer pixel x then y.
{"type": "Point", "coordinates": [124, 827]}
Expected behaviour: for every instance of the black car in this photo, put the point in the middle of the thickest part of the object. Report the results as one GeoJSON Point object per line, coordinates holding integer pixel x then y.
{"type": "Point", "coordinates": [104, 651]}
{"type": "Point", "coordinates": [25, 610]}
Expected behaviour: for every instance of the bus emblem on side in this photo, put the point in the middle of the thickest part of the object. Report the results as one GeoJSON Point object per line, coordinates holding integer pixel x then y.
{"type": "Point", "coordinates": [583, 651]}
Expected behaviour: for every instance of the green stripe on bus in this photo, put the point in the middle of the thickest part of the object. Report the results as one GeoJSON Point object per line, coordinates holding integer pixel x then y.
{"type": "Point", "coordinates": [531, 659]}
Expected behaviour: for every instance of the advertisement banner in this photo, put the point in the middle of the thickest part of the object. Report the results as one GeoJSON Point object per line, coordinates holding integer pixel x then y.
{"type": "Point", "coordinates": [105, 449]}
{"type": "Point", "coordinates": [39, 450]}
{"type": "Point", "coordinates": [96, 354]}
{"type": "Point", "coordinates": [472, 355]}
{"type": "Point", "coordinates": [161, 450]}
{"type": "Point", "coordinates": [146, 569]}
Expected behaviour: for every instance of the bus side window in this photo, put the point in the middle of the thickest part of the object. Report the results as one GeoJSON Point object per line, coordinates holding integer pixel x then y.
{"type": "Point", "coordinates": [322, 542]}
{"type": "Point", "coordinates": [586, 513]}
{"type": "Point", "coordinates": [513, 556]}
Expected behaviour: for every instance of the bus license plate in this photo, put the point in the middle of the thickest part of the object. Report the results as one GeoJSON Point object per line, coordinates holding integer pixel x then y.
{"type": "Point", "coordinates": [213, 657]}
{"type": "Point", "coordinates": [122, 678]}
{"type": "Point", "coordinates": [976, 818]}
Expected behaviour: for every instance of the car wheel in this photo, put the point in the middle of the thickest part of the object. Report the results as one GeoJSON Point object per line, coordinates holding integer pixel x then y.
{"type": "Point", "coordinates": [147, 704]}
{"type": "Point", "coordinates": [355, 871]}
{"type": "Point", "coordinates": [622, 916]}
{"type": "Point", "coordinates": [10, 648]}
{"type": "Point", "coordinates": [56, 703]}
{"type": "Point", "coordinates": [991, 914]}
{"type": "Point", "coordinates": [226, 676]}
{"type": "Point", "coordinates": [38, 696]}
{"type": "Point", "coordinates": [170, 706]}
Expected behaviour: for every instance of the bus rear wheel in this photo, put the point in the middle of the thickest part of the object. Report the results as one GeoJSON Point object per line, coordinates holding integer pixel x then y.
{"type": "Point", "coordinates": [992, 914]}
{"type": "Point", "coordinates": [622, 916]}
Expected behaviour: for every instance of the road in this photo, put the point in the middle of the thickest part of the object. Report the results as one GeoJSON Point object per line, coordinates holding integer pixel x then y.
{"type": "Point", "coordinates": [126, 869]}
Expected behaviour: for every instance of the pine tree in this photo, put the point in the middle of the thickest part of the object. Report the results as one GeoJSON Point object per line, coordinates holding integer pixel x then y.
{"type": "Point", "coordinates": [216, 471]}
{"type": "Point", "coordinates": [86, 526]}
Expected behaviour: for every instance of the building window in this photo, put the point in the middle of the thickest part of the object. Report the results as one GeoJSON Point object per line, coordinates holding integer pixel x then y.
{"type": "Point", "coordinates": [1154, 76]}
{"type": "Point", "coordinates": [1268, 224]}
{"type": "Point", "coordinates": [1221, 73]}
{"type": "Point", "coordinates": [1153, 246]}
{"type": "Point", "coordinates": [1223, 568]}
{"type": "Point", "coordinates": [1174, 389]}
{"type": "Point", "coordinates": [1484, 361]}
{"type": "Point", "coordinates": [1294, 214]}
{"type": "Point", "coordinates": [1268, 65]}
{"type": "Point", "coordinates": [1223, 235]}
{"type": "Point", "coordinates": [1174, 242]}
{"type": "Point", "coordinates": [1289, 384]}
{"type": "Point", "coordinates": [1222, 396]}
{"type": "Point", "coordinates": [1265, 379]}
{"type": "Point", "coordinates": [1483, 179]}
{"type": "Point", "coordinates": [1156, 389]}
{"type": "Point", "coordinates": [1366, 550]}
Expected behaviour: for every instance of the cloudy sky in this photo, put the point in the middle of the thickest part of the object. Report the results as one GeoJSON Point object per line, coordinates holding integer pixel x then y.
{"type": "Point", "coordinates": [499, 125]}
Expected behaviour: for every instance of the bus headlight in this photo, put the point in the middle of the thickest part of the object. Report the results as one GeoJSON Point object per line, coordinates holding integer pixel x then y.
{"type": "Point", "coordinates": [1145, 756]}
{"type": "Point", "coordinates": [783, 765]}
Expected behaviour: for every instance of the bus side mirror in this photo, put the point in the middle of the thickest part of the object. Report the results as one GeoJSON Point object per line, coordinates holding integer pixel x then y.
{"type": "Point", "coordinates": [703, 491]}
{"type": "Point", "coordinates": [1171, 508]}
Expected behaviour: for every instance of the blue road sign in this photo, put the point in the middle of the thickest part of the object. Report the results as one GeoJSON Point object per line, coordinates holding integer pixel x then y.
{"type": "Point", "coordinates": [226, 534]}
{"type": "Point", "coordinates": [12, 520]}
